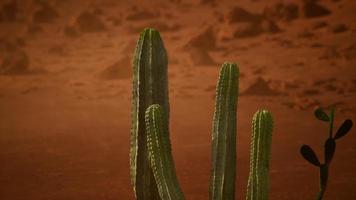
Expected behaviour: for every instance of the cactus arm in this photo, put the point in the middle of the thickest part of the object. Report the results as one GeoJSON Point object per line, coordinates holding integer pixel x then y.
{"type": "Point", "coordinates": [258, 182]}
{"type": "Point", "coordinates": [150, 85]}
{"type": "Point", "coordinates": [222, 181]}
{"type": "Point", "coordinates": [159, 149]}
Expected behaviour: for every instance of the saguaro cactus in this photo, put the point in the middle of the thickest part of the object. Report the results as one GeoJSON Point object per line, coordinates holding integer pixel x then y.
{"type": "Point", "coordinates": [258, 182]}
{"type": "Point", "coordinates": [150, 86]}
{"type": "Point", "coordinates": [222, 183]}
{"type": "Point", "coordinates": [159, 148]}
{"type": "Point", "coordinates": [151, 164]}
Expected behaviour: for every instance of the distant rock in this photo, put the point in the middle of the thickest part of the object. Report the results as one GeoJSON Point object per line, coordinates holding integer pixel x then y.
{"type": "Point", "coordinates": [319, 25]}
{"type": "Point", "coordinates": [238, 15]}
{"type": "Point", "coordinates": [15, 62]}
{"type": "Point", "coordinates": [206, 40]}
{"type": "Point", "coordinates": [339, 28]}
{"type": "Point", "coordinates": [269, 26]}
{"type": "Point", "coordinates": [88, 22]}
{"type": "Point", "coordinates": [246, 30]}
{"type": "Point", "coordinates": [306, 34]}
{"type": "Point", "coordinates": [302, 103]}
{"type": "Point", "coordinates": [45, 14]}
{"type": "Point", "coordinates": [141, 14]}
{"type": "Point", "coordinates": [312, 9]}
{"type": "Point", "coordinates": [122, 69]}
{"type": "Point", "coordinates": [243, 30]}
{"type": "Point", "coordinates": [200, 57]}
{"type": "Point", "coordinates": [8, 12]}
{"type": "Point", "coordinates": [305, 103]}
{"type": "Point", "coordinates": [282, 11]}
{"type": "Point", "coordinates": [240, 23]}
{"type": "Point", "coordinates": [71, 31]}
{"type": "Point", "coordinates": [260, 88]}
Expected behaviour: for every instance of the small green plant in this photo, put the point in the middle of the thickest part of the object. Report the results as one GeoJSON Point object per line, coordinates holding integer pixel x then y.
{"type": "Point", "coordinates": [152, 168]}
{"type": "Point", "coordinates": [258, 181]}
{"type": "Point", "coordinates": [329, 148]}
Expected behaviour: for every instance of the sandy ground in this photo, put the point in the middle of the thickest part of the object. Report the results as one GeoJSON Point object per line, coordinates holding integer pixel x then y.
{"type": "Point", "coordinates": [65, 91]}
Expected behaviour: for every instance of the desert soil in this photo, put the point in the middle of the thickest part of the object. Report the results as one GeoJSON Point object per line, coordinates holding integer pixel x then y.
{"type": "Point", "coordinates": [65, 91]}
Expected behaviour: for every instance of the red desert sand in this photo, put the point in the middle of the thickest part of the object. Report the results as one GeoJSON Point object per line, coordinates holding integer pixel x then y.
{"type": "Point", "coordinates": [64, 133]}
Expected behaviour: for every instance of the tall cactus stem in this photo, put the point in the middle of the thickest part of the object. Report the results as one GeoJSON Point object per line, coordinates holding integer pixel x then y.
{"type": "Point", "coordinates": [258, 182]}
{"type": "Point", "coordinates": [160, 156]}
{"type": "Point", "coordinates": [150, 86]}
{"type": "Point", "coordinates": [222, 181]}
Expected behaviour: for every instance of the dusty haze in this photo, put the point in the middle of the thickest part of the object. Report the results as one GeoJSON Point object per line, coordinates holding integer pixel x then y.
{"type": "Point", "coordinates": [65, 91]}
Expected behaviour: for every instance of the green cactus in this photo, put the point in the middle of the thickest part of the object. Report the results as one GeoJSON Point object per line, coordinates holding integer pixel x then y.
{"type": "Point", "coordinates": [150, 86]}
{"type": "Point", "coordinates": [151, 164]}
{"type": "Point", "coordinates": [258, 181]}
{"type": "Point", "coordinates": [222, 181]}
{"type": "Point", "coordinates": [159, 148]}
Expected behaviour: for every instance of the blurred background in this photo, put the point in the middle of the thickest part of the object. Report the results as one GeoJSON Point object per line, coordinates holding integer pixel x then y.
{"type": "Point", "coordinates": [65, 91]}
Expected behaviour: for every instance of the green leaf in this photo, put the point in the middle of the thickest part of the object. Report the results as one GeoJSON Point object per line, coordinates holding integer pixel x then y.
{"type": "Point", "coordinates": [309, 155]}
{"type": "Point", "coordinates": [344, 129]}
{"type": "Point", "coordinates": [321, 115]}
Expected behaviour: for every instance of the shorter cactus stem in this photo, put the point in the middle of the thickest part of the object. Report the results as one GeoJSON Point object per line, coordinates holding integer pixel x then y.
{"type": "Point", "coordinates": [258, 182]}
{"type": "Point", "coordinates": [160, 156]}
{"type": "Point", "coordinates": [223, 173]}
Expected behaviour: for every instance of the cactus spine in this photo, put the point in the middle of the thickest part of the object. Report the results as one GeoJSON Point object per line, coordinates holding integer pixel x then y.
{"type": "Point", "coordinates": [222, 183]}
{"type": "Point", "coordinates": [150, 86]}
{"type": "Point", "coordinates": [159, 148]}
{"type": "Point", "coordinates": [258, 182]}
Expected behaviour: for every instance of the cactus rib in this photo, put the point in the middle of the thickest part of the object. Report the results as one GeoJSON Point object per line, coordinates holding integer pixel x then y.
{"type": "Point", "coordinates": [150, 85]}
{"type": "Point", "coordinates": [222, 183]}
{"type": "Point", "coordinates": [258, 182]}
{"type": "Point", "coordinates": [159, 149]}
